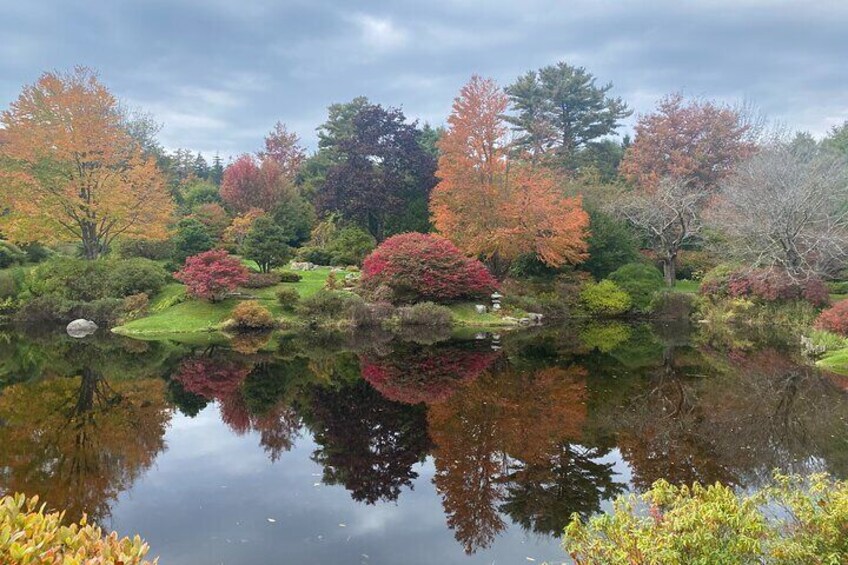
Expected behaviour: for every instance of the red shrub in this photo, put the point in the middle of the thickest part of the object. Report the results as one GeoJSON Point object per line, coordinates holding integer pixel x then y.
{"type": "Point", "coordinates": [834, 319]}
{"type": "Point", "coordinates": [212, 274]}
{"type": "Point", "coordinates": [767, 285]}
{"type": "Point", "coordinates": [424, 374]}
{"type": "Point", "coordinates": [419, 266]}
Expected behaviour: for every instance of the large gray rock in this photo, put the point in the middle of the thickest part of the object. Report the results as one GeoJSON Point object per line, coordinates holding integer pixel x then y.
{"type": "Point", "coordinates": [81, 328]}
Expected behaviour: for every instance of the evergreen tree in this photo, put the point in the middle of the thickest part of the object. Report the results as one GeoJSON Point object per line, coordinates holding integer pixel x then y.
{"type": "Point", "coordinates": [192, 238]}
{"type": "Point", "coordinates": [267, 244]}
{"type": "Point", "coordinates": [216, 173]}
{"type": "Point", "coordinates": [201, 167]}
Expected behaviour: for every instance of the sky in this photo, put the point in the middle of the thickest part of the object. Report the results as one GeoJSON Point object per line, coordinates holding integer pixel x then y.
{"type": "Point", "coordinates": [217, 74]}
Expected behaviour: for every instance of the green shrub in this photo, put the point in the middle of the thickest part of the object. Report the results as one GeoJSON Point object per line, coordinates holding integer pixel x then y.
{"type": "Point", "coordinates": [10, 255]}
{"type": "Point", "coordinates": [640, 281]}
{"type": "Point", "coordinates": [105, 311]}
{"type": "Point", "coordinates": [72, 279]}
{"type": "Point", "coordinates": [35, 252]}
{"type": "Point", "coordinates": [289, 277]}
{"type": "Point", "coordinates": [8, 285]}
{"type": "Point", "coordinates": [250, 315]}
{"type": "Point", "coordinates": [312, 254]}
{"type": "Point", "coordinates": [31, 536]}
{"type": "Point", "coordinates": [192, 238]}
{"type": "Point", "coordinates": [326, 304]}
{"type": "Point", "coordinates": [136, 276]}
{"type": "Point", "coordinates": [827, 341]}
{"type": "Point", "coordinates": [350, 246]}
{"type": "Point", "coordinates": [612, 244]}
{"type": "Point", "coordinates": [288, 299]}
{"type": "Point", "coordinates": [713, 524]}
{"type": "Point", "coordinates": [838, 287]}
{"type": "Point", "coordinates": [605, 299]}
{"type": "Point", "coordinates": [693, 264]}
{"type": "Point", "coordinates": [44, 309]}
{"type": "Point", "coordinates": [425, 314]}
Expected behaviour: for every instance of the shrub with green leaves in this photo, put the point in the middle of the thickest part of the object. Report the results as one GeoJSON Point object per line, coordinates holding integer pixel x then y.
{"type": "Point", "coordinates": [605, 299]}
{"type": "Point", "coordinates": [10, 254]}
{"type": "Point", "coordinates": [289, 277]}
{"type": "Point", "coordinates": [326, 304]}
{"type": "Point", "coordinates": [192, 238]}
{"type": "Point", "coordinates": [640, 281]}
{"type": "Point", "coordinates": [288, 298]}
{"type": "Point", "coordinates": [796, 520]}
{"type": "Point", "coordinates": [425, 314]}
{"type": "Point", "coordinates": [350, 246]}
{"type": "Point", "coordinates": [136, 276]}
{"type": "Point", "coordinates": [31, 535]}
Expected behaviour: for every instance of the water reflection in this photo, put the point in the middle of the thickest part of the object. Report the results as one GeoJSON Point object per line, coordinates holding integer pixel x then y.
{"type": "Point", "coordinates": [521, 431]}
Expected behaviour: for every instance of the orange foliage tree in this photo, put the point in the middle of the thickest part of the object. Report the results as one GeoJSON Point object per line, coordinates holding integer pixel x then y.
{"type": "Point", "coordinates": [496, 206]}
{"type": "Point", "coordinates": [71, 171]}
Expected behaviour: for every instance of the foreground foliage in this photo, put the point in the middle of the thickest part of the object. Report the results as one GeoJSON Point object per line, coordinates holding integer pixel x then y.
{"type": "Point", "coordinates": [29, 535]}
{"type": "Point", "coordinates": [794, 521]}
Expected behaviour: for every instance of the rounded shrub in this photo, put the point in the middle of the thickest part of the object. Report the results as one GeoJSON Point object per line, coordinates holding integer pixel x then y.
{"type": "Point", "coordinates": [288, 298]}
{"type": "Point", "coordinates": [834, 319]}
{"type": "Point", "coordinates": [212, 274]}
{"type": "Point", "coordinates": [136, 276]}
{"type": "Point", "coordinates": [250, 315]}
{"type": "Point", "coordinates": [640, 281]}
{"type": "Point", "coordinates": [419, 266]}
{"type": "Point", "coordinates": [289, 277]}
{"type": "Point", "coordinates": [350, 246]}
{"type": "Point", "coordinates": [261, 280]}
{"type": "Point", "coordinates": [425, 314]}
{"type": "Point", "coordinates": [605, 299]}
{"type": "Point", "coordinates": [326, 304]}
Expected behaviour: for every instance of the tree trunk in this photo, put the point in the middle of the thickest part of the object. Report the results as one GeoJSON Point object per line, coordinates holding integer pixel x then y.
{"type": "Point", "coordinates": [90, 242]}
{"type": "Point", "coordinates": [670, 270]}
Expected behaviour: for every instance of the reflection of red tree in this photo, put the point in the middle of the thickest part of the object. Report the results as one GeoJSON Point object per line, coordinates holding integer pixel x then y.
{"type": "Point", "coordinates": [424, 374]}
{"type": "Point", "coordinates": [210, 377]}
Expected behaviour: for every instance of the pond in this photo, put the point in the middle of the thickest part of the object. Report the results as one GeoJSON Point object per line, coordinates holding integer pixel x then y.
{"type": "Point", "coordinates": [375, 448]}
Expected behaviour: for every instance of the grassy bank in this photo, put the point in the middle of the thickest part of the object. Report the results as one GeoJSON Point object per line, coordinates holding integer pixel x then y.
{"type": "Point", "coordinates": [171, 312]}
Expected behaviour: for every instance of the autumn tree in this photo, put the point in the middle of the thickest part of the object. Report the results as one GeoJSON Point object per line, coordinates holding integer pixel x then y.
{"type": "Point", "coordinates": [495, 206]}
{"type": "Point", "coordinates": [240, 226]}
{"type": "Point", "coordinates": [560, 110]}
{"type": "Point", "coordinates": [251, 183]}
{"type": "Point", "coordinates": [71, 169]}
{"type": "Point", "coordinates": [698, 141]}
{"type": "Point", "coordinates": [284, 148]}
{"type": "Point", "coordinates": [381, 175]}
{"type": "Point", "coordinates": [212, 274]}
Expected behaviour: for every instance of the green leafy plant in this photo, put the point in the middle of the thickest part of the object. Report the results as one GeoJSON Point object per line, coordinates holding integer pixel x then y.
{"type": "Point", "coordinates": [288, 298]}
{"type": "Point", "coordinates": [640, 281]}
{"type": "Point", "coordinates": [795, 520]}
{"type": "Point", "coordinates": [29, 535]}
{"type": "Point", "coordinates": [605, 299]}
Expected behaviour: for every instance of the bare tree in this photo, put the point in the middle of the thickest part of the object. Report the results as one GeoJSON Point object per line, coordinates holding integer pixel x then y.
{"type": "Point", "coordinates": [787, 207]}
{"type": "Point", "coordinates": [669, 215]}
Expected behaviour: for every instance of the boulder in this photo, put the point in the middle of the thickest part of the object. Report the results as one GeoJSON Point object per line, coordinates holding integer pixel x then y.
{"type": "Point", "coordinates": [481, 309]}
{"type": "Point", "coordinates": [81, 328]}
{"type": "Point", "coordinates": [535, 318]}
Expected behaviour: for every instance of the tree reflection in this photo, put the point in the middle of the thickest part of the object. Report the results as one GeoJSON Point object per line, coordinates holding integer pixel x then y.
{"type": "Point", "coordinates": [504, 443]}
{"type": "Point", "coordinates": [80, 441]}
{"type": "Point", "coordinates": [367, 443]}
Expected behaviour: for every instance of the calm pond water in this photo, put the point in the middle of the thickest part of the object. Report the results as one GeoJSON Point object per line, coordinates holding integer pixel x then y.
{"type": "Point", "coordinates": [373, 449]}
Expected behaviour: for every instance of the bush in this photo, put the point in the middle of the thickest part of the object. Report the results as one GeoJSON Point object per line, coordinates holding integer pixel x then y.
{"type": "Point", "coordinates": [250, 315]}
{"type": "Point", "coordinates": [425, 314]}
{"type": "Point", "coordinates": [834, 319]}
{"type": "Point", "coordinates": [45, 309]}
{"type": "Point", "coordinates": [135, 276]}
{"type": "Point", "coordinates": [156, 250]}
{"type": "Point", "coordinates": [29, 536]}
{"type": "Point", "coordinates": [426, 267]}
{"type": "Point", "coordinates": [605, 299]}
{"type": "Point", "coordinates": [10, 255]}
{"type": "Point", "coordinates": [135, 306]}
{"type": "Point", "coordinates": [326, 304]}
{"type": "Point", "coordinates": [611, 245]}
{"type": "Point", "coordinates": [288, 299]}
{"type": "Point", "coordinates": [370, 315]}
{"type": "Point", "coordinates": [640, 281]}
{"type": "Point", "coordinates": [764, 285]}
{"type": "Point", "coordinates": [713, 524]}
{"type": "Point", "coordinates": [212, 274]}
{"type": "Point", "coordinates": [191, 239]}
{"type": "Point", "coordinates": [35, 252]}
{"type": "Point", "coordinates": [261, 280]}
{"type": "Point", "coordinates": [838, 287]}
{"type": "Point", "coordinates": [8, 285]}
{"type": "Point", "coordinates": [350, 246]}
{"type": "Point", "coordinates": [313, 254]}
{"type": "Point", "coordinates": [104, 311]}
{"type": "Point", "coordinates": [290, 277]}
{"type": "Point", "coordinates": [72, 279]}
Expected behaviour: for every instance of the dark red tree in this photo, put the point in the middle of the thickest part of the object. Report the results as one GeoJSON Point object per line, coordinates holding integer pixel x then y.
{"type": "Point", "coordinates": [211, 274]}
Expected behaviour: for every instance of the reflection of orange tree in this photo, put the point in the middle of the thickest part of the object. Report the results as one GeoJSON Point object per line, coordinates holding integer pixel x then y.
{"type": "Point", "coordinates": [80, 441]}
{"type": "Point", "coordinates": [365, 442]}
{"type": "Point", "coordinates": [491, 432]}
{"type": "Point", "coordinates": [415, 373]}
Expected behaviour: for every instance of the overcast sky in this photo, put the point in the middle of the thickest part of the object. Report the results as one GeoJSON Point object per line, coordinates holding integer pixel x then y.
{"type": "Point", "coordinates": [218, 73]}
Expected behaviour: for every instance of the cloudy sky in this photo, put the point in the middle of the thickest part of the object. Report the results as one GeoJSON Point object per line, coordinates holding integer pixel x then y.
{"type": "Point", "coordinates": [218, 73]}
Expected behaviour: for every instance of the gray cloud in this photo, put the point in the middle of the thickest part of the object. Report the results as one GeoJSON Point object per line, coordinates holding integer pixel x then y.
{"type": "Point", "coordinates": [219, 73]}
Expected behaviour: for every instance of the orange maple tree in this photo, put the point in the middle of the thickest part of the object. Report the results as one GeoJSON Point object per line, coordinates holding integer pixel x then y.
{"type": "Point", "coordinates": [71, 171]}
{"type": "Point", "coordinates": [496, 205]}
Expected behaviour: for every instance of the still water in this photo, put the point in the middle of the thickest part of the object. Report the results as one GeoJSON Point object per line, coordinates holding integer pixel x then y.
{"type": "Point", "coordinates": [416, 449]}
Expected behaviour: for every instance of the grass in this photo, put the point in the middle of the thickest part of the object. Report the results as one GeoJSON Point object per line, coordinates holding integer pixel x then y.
{"type": "Point", "coordinates": [172, 313]}
{"type": "Point", "coordinates": [687, 287]}
{"type": "Point", "coordinates": [836, 362]}
{"type": "Point", "coordinates": [465, 314]}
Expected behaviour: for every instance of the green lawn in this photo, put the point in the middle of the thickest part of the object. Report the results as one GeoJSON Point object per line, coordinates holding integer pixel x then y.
{"type": "Point", "coordinates": [465, 314]}
{"type": "Point", "coordinates": [171, 312]}
{"type": "Point", "coordinates": [835, 361]}
{"type": "Point", "coordinates": [688, 287]}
